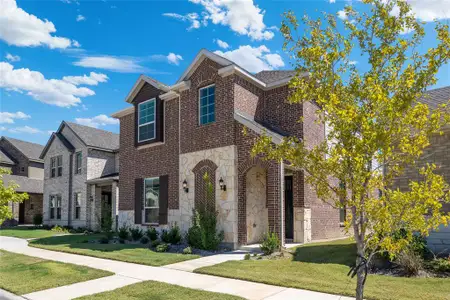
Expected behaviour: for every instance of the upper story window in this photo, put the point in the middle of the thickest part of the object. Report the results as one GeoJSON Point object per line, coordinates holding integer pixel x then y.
{"type": "Point", "coordinates": [151, 200]}
{"type": "Point", "coordinates": [207, 113]}
{"type": "Point", "coordinates": [78, 162]}
{"type": "Point", "coordinates": [146, 120]}
{"type": "Point", "coordinates": [56, 166]}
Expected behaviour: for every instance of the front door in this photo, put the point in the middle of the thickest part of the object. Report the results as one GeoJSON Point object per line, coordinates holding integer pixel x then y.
{"type": "Point", "coordinates": [22, 213]}
{"type": "Point", "coordinates": [106, 210]}
{"type": "Point", "coordinates": [288, 208]}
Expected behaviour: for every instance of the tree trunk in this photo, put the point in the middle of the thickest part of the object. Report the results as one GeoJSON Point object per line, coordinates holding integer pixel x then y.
{"type": "Point", "coordinates": [359, 280]}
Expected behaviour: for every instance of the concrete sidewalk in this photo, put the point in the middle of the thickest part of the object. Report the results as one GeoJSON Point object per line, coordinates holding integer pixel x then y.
{"type": "Point", "coordinates": [245, 289]}
{"type": "Point", "coordinates": [191, 265]}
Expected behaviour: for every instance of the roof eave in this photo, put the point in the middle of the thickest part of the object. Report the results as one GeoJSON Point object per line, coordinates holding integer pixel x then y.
{"type": "Point", "coordinates": [121, 113]}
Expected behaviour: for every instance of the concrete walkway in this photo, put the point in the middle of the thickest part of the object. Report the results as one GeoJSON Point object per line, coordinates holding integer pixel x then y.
{"type": "Point", "coordinates": [128, 273]}
{"type": "Point", "coordinates": [191, 265]}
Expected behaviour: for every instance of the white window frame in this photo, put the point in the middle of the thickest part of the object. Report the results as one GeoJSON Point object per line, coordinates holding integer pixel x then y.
{"type": "Point", "coordinates": [78, 167]}
{"type": "Point", "coordinates": [200, 105]}
{"type": "Point", "coordinates": [53, 167]}
{"type": "Point", "coordinates": [58, 206]}
{"type": "Point", "coordinates": [59, 166]}
{"type": "Point", "coordinates": [149, 207]}
{"type": "Point", "coordinates": [77, 198]}
{"type": "Point", "coordinates": [140, 125]}
{"type": "Point", "coordinates": [52, 197]}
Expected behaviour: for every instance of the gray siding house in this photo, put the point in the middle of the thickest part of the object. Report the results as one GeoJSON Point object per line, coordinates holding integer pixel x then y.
{"type": "Point", "coordinates": [81, 176]}
{"type": "Point", "coordinates": [22, 160]}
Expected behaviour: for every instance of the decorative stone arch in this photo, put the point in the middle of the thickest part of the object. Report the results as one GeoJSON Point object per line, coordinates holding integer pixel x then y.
{"type": "Point", "coordinates": [202, 167]}
{"type": "Point", "coordinates": [272, 191]}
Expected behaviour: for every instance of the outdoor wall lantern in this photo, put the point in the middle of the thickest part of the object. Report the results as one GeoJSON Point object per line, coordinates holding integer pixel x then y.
{"type": "Point", "coordinates": [185, 187]}
{"type": "Point", "coordinates": [222, 185]}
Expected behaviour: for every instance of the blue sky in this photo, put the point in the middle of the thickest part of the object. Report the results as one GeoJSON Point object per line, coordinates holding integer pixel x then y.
{"type": "Point", "coordinates": [77, 60]}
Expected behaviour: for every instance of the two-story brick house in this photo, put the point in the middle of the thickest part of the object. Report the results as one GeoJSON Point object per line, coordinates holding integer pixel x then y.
{"type": "Point", "coordinates": [81, 176]}
{"type": "Point", "coordinates": [21, 158]}
{"type": "Point", "coordinates": [172, 135]}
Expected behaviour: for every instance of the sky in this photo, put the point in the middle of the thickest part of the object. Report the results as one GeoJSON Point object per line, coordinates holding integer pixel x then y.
{"type": "Point", "coordinates": [77, 60]}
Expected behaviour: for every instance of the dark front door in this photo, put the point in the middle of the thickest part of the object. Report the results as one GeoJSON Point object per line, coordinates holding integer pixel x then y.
{"type": "Point", "coordinates": [22, 213]}
{"type": "Point", "coordinates": [288, 208]}
{"type": "Point", "coordinates": [106, 210]}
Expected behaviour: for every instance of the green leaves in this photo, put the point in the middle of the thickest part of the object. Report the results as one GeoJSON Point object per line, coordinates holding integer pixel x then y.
{"type": "Point", "coordinates": [7, 195]}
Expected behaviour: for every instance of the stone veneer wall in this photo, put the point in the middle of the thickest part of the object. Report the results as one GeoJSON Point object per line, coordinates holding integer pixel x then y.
{"type": "Point", "coordinates": [33, 206]}
{"type": "Point", "coordinates": [256, 211]}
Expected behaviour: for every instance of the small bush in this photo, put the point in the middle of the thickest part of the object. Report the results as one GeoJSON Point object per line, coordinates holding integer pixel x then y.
{"type": "Point", "coordinates": [155, 243]}
{"type": "Point", "coordinates": [194, 237]}
{"type": "Point", "coordinates": [247, 256]}
{"type": "Point", "coordinates": [187, 250]}
{"type": "Point", "coordinates": [165, 236]}
{"type": "Point", "coordinates": [123, 233]}
{"type": "Point", "coordinates": [145, 240]}
{"type": "Point", "coordinates": [59, 229]}
{"type": "Point", "coordinates": [152, 234]}
{"type": "Point", "coordinates": [439, 264]}
{"type": "Point", "coordinates": [136, 233]}
{"type": "Point", "coordinates": [162, 248]}
{"type": "Point", "coordinates": [174, 235]}
{"type": "Point", "coordinates": [270, 243]}
{"type": "Point", "coordinates": [37, 219]}
{"type": "Point", "coordinates": [104, 240]}
{"type": "Point", "coordinates": [410, 262]}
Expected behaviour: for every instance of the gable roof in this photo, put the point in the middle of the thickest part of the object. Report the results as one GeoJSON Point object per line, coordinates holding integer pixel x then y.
{"type": "Point", "coordinates": [140, 83]}
{"type": "Point", "coordinates": [436, 97]}
{"type": "Point", "coordinates": [275, 75]}
{"type": "Point", "coordinates": [248, 121]}
{"type": "Point", "coordinates": [4, 159]}
{"type": "Point", "coordinates": [26, 185]}
{"type": "Point", "coordinates": [31, 150]}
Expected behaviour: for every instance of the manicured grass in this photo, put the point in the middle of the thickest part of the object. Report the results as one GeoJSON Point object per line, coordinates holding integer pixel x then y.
{"type": "Point", "coordinates": [152, 290]}
{"type": "Point", "coordinates": [21, 274]}
{"type": "Point", "coordinates": [323, 267]}
{"type": "Point", "coordinates": [135, 253]}
{"type": "Point", "coordinates": [27, 233]}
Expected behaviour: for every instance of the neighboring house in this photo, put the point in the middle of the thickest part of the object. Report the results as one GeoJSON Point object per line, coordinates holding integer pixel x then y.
{"type": "Point", "coordinates": [81, 176]}
{"type": "Point", "coordinates": [21, 158]}
{"type": "Point", "coordinates": [172, 135]}
{"type": "Point", "coordinates": [437, 153]}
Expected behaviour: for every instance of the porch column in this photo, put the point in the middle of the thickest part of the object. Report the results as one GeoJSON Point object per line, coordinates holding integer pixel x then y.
{"type": "Point", "coordinates": [114, 205]}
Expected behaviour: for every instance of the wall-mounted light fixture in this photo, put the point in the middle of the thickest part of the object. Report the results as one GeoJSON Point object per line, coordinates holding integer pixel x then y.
{"type": "Point", "coordinates": [222, 185]}
{"type": "Point", "coordinates": [185, 186]}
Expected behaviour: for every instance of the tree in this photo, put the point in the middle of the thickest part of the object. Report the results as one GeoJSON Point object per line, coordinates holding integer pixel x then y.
{"type": "Point", "coordinates": [7, 195]}
{"type": "Point", "coordinates": [376, 124]}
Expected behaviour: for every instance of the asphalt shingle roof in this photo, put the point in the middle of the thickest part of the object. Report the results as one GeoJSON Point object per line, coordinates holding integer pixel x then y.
{"type": "Point", "coordinates": [26, 185]}
{"type": "Point", "coordinates": [437, 96]}
{"type": "Point", "coordinates": [94, 137]}
{"type": "Point", "coordinates": [273, 76]}
{"type": "Point", "coordinates": [4, 158]}
{"type": "Point", "coordinates": [30, 150]}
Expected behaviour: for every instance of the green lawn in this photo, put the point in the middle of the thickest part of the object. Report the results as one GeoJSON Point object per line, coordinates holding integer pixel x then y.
{"type": "Point", "coordinates": [323, 267]}
{"type": "Point", "coordinates": [21, 274]}
{"type": "Point", "coordinates": [79, 244]}
{"type": "Point", "coordinates": [152, 290]}
{"type": "Point", "coordinates": [27, 233]}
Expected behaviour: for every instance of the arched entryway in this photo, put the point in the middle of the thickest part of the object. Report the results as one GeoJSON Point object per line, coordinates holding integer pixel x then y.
{"type": "Point", "coordinates": [205, 186]}
{"type": "Point", "coordinates": [257, 219]}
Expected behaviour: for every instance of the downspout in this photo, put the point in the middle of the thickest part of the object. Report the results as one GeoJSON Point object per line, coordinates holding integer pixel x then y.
{"type": "Point", "coordinates": [69, 210]}
{"type": "Point", "coordinates": [282, 237]}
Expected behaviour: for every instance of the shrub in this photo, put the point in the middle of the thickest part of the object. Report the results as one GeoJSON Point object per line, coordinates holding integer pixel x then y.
{"type": "Point", "coordinates": [187, 250]}
{"type": "Point", "coordinates": [175, 235]}
{"type": "Point", "coordinates": [123, 233]}
{"type": "Point", "coordinates": [165, 237]}
{"type": "Point", "coordinates": [152, 234]}
{"type": "Point", "coordinates": [162, 248]}
{"type": "Point", "coordinates": [270, 243]}
{"type": "Point", "coordinates": [247, 256]}
{"type": "Point", "coordinates": [145, 239]}
{"type": "Point", "coordinates": [104, 240]}
{"type": "Point", "coordinates": [439, 264]}
{"type": "Point", "coordinates": [410, 262]}
{"type": "Point", "coordinates": [155, 243]}
{"type": "Point", "coordinates": [37, 219]}
{"type": "Point", "coordinates": [136, 233]}
{"type": "Point", "coordinates": [59, 229]}
{"type": "Point", "coordinates": [194, 237]}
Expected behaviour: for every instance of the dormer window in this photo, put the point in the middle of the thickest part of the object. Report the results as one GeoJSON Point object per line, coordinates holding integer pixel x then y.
{"type": "Point", "coordinates": [207, 113]}
{"type": "Point", "coordinates": [146, 120]}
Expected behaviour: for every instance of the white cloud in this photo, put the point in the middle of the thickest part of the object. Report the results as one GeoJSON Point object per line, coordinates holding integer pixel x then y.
{"type": "Point", "coordinates": [222, 44]}
{"type": "Point", "coordinates": [429, 10]}
{"type": "Point", "coordinates": [80, 18]}
{"type": "Point", "coordinates": [353, 62]}
{"type": "Point", "coordinates": [76, 44]}
{"type": "Point", "coordinates": [25, 129]}
{"type": "Point", "coordinates": [254, 59]}
{"type": "Point", "coordinates": [97, 121]}
{"type": "Point", "coordinates": [8, 118]}
{"type": "Point", "coordinates": [19, 28]}
{"type": "Point", "coordinates": [51, 91]}
{"type": "Point", "coordinates": [111, 63]}
{"type": "Point", "coordinates": [342, 15]}
{"type": "Point", "coordinates": [92, 79]}
{"type": "Point", "coordinates": [332, 1]}
{"type": "Point", "coordinates": [174, 59]}
{"type": "Point", "coordinates": [192, 18]}
{"type": "Point", "coordinates": [12, 58]}
{"type": "Point", "coordinates": [242, 16]}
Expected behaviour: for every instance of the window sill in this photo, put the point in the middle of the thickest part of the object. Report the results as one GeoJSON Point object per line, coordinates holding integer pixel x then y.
{"type": "Point", "coordinates": [144, 146]}
{"type": "Point", "coordinates": [341, 224]}
{"type": "Point", "coordinates": [150, 224]}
